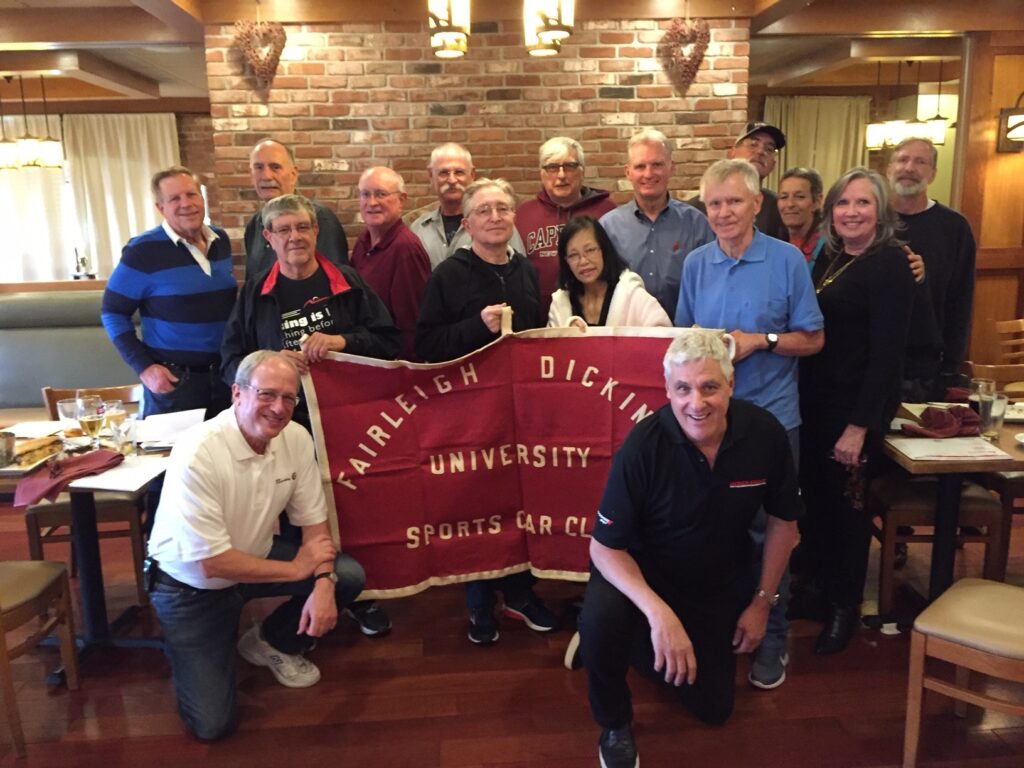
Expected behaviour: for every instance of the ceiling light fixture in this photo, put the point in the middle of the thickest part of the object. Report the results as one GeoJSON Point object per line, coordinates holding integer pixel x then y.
{"type": "Point", "coordinates": [51, 150]}
{"type": "Point", "coordinates": [8, 148]}
{"type": "Point", "coordinates": [449, 27]}
{"type": "Point", "coordinates": [546, 23]}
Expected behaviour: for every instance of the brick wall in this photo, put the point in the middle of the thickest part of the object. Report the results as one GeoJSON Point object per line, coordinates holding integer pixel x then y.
{"type": "Point", "coordinates": [195, 143]}
{"type": "Point", "coordinates": [349, 96]}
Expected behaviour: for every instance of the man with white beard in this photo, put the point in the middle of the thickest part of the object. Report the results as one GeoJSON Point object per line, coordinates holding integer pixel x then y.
{"type": "Point", "coordinates": [440, 228]}
{"type": "Point", "coordinates": [945, 241]}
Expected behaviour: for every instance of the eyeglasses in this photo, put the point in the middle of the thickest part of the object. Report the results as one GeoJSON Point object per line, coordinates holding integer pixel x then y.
{"type": "Point", "coordinates": [765, 145]}
{"type": "Point", "coordinates": [556, 167]}
{"type": "Point", "coordinates": [456, 173]}
{"type": "Point", "coordinates": [590, 252]}
{"type": "Point", "coordinates": [299, 229]}
{"type": "Point", "coordinates": [375, 194]}
{"type": "Point", "coordinates": [271, 395]}
{"type": "Point", "coordinates": [485, 211]}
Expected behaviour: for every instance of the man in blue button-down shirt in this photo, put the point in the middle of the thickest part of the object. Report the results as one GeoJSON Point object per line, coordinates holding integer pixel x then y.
{"type": "Point", "coordinates": [654, 232]}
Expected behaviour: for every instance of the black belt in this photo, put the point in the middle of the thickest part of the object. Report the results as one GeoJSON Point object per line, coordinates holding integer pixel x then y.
{"type": "Point", "coordinates": [157, 576]}
{"type": "Point", "coordinates": [191, 368]}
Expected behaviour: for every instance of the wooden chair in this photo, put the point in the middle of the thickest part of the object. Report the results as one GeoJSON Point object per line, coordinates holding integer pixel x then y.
{"type": "Point", "coordinates": [1009, 379]}
{"type": "Point", "coordinates": [31, 590]}
{"type": "Point", "coordinates": [978, 626]}
{"type": "Point", "coordinates": [898, 501]}
{"type": "Point", "coordinates": [1011, 340]}
{"type": "Point", "coordinates": [45, 522]}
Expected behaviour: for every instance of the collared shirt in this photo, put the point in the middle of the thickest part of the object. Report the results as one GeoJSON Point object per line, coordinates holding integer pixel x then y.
{"type": "Point", "coordinates": [655, 249]}
{"type": "Point", "coordinates": [767, 290]}
{"type": "Point", "coordinates": [686, 521]}
{"type": "Point", "coordinates": [199, 256]}
{"type": "Point", "coordinates": [220, 494]}
{"type": "Point", "coordinates": [429, 228]}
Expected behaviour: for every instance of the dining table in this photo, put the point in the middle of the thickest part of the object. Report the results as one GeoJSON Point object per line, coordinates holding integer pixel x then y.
{"type": "Point", "coordinates": [950, 473]}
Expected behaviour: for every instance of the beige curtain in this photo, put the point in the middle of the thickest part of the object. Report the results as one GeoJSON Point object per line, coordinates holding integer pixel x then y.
{"type": "Point", "coordinates": [822, 132]}
{"type": "Point", "coordinates": [35, 214]}
{"type": "Point", "coordinates": [111, 159]}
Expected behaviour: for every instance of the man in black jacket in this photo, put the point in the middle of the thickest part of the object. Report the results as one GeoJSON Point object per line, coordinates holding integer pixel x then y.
{"type": "Point", "coordinates": [462, 309]}
{"type": "Point", "coordinates": [305, 307]}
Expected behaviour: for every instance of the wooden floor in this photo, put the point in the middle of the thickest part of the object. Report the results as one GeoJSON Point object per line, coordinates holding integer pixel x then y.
{"type": "Point", "coordinates": [425, 697]}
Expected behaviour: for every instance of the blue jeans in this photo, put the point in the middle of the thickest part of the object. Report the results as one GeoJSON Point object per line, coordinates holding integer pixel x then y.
{"type": "Point", "coordinates": [195, 389]}
{"type": "Point", "coordinates": [778, 624]}
{"type": "Point", "coordinates": [200, 628]}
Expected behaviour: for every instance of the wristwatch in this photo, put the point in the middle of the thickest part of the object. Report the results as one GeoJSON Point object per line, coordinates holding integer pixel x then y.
{"type": "Point", "coordinates": [772, 339]}
{"type": "Point", "coordinates": [329, 575]}
{"type": "Point", "coordinates": [772, 600]}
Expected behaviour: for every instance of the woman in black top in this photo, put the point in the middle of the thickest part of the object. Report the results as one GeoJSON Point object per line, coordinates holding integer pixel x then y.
{"type": "Point", "coordinates": [850, 390]}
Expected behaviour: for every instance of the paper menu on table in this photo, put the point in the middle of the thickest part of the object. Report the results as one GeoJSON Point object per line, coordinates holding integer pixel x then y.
{"type": "Point", "coordinates": [949, 449]}
{"type": "Point", "coordinates": [163, 429]}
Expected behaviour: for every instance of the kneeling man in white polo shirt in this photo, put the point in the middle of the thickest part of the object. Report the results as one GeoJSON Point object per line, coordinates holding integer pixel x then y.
{"type": "Point", "coordinates": [213, 548]}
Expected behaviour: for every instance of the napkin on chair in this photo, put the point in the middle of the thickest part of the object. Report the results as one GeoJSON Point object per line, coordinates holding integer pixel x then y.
{"type": "Point", "coordinates": [54, 476]}
{"type": "Point", "coordinates": [955, 421]}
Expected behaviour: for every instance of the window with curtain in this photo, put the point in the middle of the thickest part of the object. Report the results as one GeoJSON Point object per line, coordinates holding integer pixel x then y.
{"type": "Point", "coordinates": [111, 159]}
{"type": "Point", "coordinates": [38, 215]}
{"type": "Point", "coordinates": [822, 132]}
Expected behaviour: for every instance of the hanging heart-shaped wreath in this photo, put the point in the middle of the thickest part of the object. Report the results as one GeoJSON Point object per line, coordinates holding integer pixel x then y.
{"type": "Point", "coordinates": [262, 43]}
{"type": "Point", "coordinates": [682, 50]}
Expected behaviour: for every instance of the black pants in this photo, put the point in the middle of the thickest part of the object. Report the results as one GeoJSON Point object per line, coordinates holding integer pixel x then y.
{"type": "Point", "coordinates": [835, 530]}
{"type": "Point", "coordinates": [614, 634]}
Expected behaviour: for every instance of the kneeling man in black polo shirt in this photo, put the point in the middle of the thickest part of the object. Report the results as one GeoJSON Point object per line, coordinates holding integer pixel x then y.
{"type": "Point", "coordinates": [669, 589]}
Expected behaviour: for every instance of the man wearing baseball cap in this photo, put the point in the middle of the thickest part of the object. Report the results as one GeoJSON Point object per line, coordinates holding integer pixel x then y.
{"type": "Point", "coordinates": [760, 144]}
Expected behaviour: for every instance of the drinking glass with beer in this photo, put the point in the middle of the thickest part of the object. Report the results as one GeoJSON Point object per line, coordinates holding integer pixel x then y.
{"type": "Point", "coordinates": [89, 409]}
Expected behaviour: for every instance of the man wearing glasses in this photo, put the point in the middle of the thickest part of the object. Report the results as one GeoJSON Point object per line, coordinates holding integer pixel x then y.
{"type": "Point", "coordinates": [462, 310]}
{"type": "Point", "coordinates": [760, 145]}
{"type": "Point", "coordinates": [273, 171]}
{"type": "Point", "coordinates": [306, 307]}
{"type": "Point", "coordinates": [213, 548]}
{"type": "Point", "coordinates": [390, 258]}
{"type": "Point", "coordinates": [439, 227]}
{"type": "Point", "coordinates": [561, 197]}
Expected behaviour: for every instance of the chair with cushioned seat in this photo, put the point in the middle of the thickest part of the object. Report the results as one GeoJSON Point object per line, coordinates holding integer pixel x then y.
{"type": "Point", "coordinates": [30, 591]}
{"type": "Point", "coordinates": [45, 522]}
{"type": "Point", "coordinates": [898, 501]}
{"type": "Point", "coordinates": [978, 626]}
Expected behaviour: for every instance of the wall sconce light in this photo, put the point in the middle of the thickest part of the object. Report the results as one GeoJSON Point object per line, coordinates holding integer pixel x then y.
{"type": "Point", "coordinates": [1011, 128]}
{"type": "Point", "coordinates": [449, 27]}
{"type": "Point", "coordinates": [551, 20]}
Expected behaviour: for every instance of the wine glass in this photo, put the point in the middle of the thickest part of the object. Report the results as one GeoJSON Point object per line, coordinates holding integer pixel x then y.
{"type": "Point", "coordinates": [89, 409]}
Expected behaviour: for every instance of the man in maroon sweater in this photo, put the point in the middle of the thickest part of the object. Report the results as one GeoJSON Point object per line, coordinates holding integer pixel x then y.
{"type": "Point", "coordinates": [387, 254]}
{"type": "Point", "coordinates": [562, 196]}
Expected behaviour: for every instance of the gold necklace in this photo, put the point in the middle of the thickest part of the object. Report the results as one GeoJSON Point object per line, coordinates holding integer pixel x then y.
{"type": "Point", "coordinates": [830, 278]}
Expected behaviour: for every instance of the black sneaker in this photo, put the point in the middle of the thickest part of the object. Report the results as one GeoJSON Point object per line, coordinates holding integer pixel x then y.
{"type": "Point", "coordinates": [535, 614]}
{"type": "Point", "coordinates": [617, 749]}
{"type": "Point", "coordinates": [483, 627]}
{"type": "Point", "coordinates": [370, 617]}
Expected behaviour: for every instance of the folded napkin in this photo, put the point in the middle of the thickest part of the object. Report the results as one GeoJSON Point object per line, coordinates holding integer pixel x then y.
{"type": "Point", "coordinates": [54, 476]}
{"type": "Point", "coordinates": [957, 394]}
{"type": "Point", "coordinates": [955, 421]}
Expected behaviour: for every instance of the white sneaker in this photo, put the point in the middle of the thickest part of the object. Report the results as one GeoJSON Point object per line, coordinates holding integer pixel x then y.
{"type": "Point", "coordinates": [293, 671]}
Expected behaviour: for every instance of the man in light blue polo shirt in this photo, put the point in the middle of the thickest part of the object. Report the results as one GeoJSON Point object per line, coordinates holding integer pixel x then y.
{"type": "Point", "coordinates": [654, 232]}
{"type": "Point", "coordinates": [759, 289]}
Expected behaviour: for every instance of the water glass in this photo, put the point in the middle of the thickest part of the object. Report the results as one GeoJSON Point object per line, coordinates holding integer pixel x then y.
{"type": "Point", "coordinates": [122, 432]}
{"type": "Point", "coordinates": [67, 412]}
{"type": "Point", "coordinates": [980, 388]}
{"type": "Point", "coordinates": [993, 410]}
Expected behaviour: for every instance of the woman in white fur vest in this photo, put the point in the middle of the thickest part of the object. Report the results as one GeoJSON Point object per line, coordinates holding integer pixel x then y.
{"type": "Point", "coordinates": [597, 287]}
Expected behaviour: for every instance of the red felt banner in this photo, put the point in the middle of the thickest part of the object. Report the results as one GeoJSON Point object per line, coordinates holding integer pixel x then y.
{"type": "Point", "coordinates": [483, 466]}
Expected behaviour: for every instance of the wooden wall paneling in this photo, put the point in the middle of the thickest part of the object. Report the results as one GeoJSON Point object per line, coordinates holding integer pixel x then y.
{"type": "Point", "coordinates": [1002, 223]}
{"type": "Point", "coordinates": [996, 297]}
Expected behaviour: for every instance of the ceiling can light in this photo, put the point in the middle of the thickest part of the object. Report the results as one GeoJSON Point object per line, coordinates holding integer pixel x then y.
{"type": "Point", "coordinates": [1011, 128]}
{"type": "Point", "coordinates": [449, 27]}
